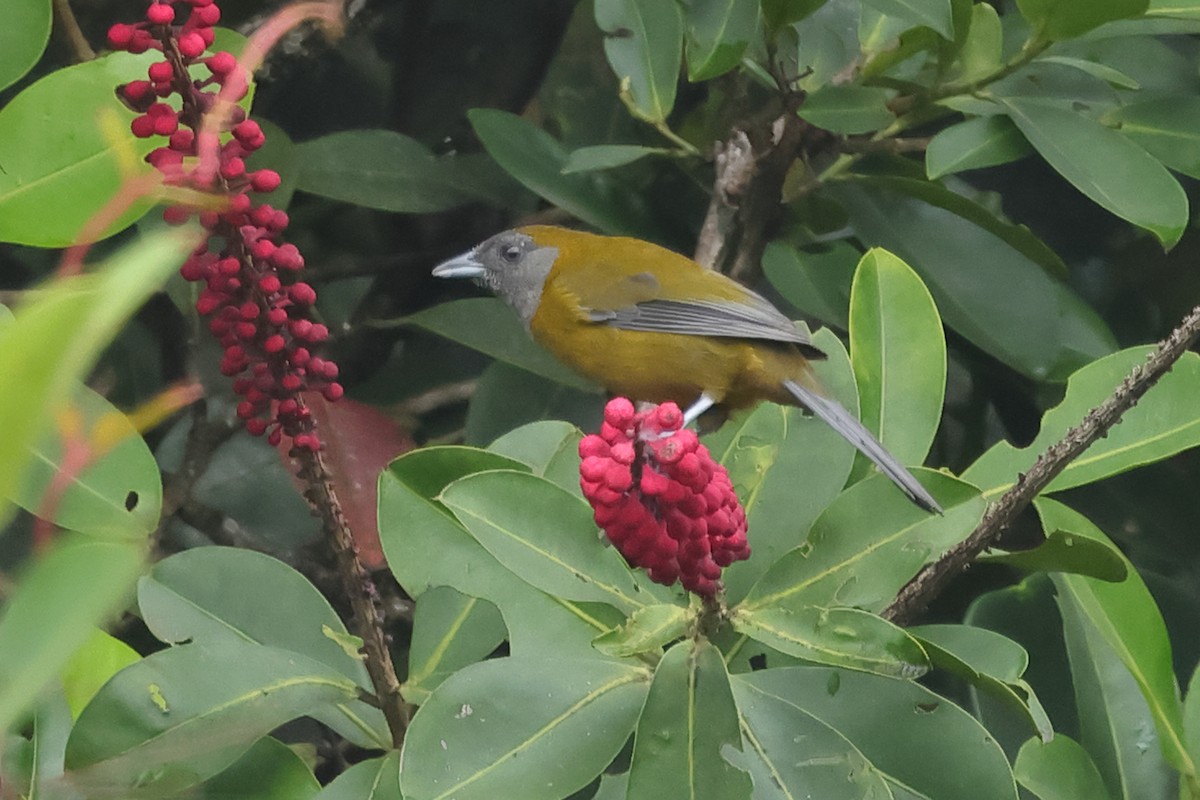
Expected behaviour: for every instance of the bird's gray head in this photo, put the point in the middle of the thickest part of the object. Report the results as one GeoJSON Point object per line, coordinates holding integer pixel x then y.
{"type": "Point", "coordinates": [511, 264]}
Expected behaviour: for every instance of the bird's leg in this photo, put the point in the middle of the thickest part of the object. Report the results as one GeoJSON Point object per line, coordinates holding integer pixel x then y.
{"type": "Point", "coordinates": [703, 403]}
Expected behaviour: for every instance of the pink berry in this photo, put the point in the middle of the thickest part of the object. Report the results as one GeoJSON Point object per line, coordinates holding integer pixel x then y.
{"type": "Point", "coordinates": [160, 14]}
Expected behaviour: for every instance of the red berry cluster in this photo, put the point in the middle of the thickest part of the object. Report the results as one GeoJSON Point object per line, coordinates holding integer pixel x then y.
{"type": "Point", "coordinates": [661, 499]}
{"type": "Point", "coordinates": [257, 311]}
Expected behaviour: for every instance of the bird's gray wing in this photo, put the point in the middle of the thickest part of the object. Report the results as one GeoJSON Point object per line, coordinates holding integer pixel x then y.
{"type": "Point", "coordinates": [754, 319]}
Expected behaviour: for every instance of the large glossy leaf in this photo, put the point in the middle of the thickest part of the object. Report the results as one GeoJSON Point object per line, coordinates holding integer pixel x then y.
{"type": "Point", "coordinates": [982, 50]}
{"type": "Point", "coordinates": [450, 631]}
{"type": "Point", "coordinates": [116, 493]}
{"type": "Point", "coordinates": [549, 448]}
{"type": "Point", "coordinates": [816, 283]}
{"type": "Point", "coordinates": [486, 324]}
{"type": "Point", "coordinates": [101, 657]}
{"type": "Point", "coordinates": [849, 109]}
{"type": "Point", "coordinates": [648, 629]}
{"type": "Point", "coordinates": [528, 728]}
{"type": "Point", "coordinates": [536, 159]}
{"type": "Point", "coordinates": [1125, 615]}
{"type": "Point", "coordinates": [183, 714]}
{"type": "Point", "coordinates": [1058, 770]}
{"type": "Point", "coordinates": [210, 595]}
{"type": "Point", "coordinates": [867, 545]}
{"type": "Point", "coordinates": [608, 156]}
{"type": "Point", "coordinates": [1167, 127]}
{"type": "Point", "coordinates": [975, 144]}
{"type": "Point", "coordinates": [545, 535]}
{"type": "Point", "coordinates": [1182, 9]}
{"type": "Point", "coordinates": [935, 14]}
{"type": "Point", "coordinates": [988, 288]}
{"type": "Point", "coordinates": [991, 663]}
{"type": "Point", "coordinates": [57, 336]}
{"type": "Point", "coordinates": [23, 37]}
{"type": "Point", "coordinates": [385, 170]}
{"type": "Point", "coordinates": [426, 546]}
{"type": "Point", "coordinates": [839, 637]}
{"type": "Point", "coordinates": [928, 745]}
{"type": "Point", "coordinates": [506, 396]}
{"type": "Point", "coordinates": [1105, 166]}
{"type": "Point", "coordinates": [771, 453]}
{"type": "Point", "coordinates": [717, 33]}
{"type": "Point", "coordinates": [54, 610]}
{"type": "Point", "coordinates": [644, 44]}
{"type": "Point", "coordinates": [270, 770]}
{"type": "Point", "coordinates": [64, 143]}
{"type": "Point", "coordinates": [373, 779]}
{"type": "Point", "coordinates": [1160, 425]}
{"type": "Point", "coordinates": [898, 350]}
{"type": "Point", "coordinates": [1064, 19]}
{"type": "Point", "coordinates": [1066, 551]}
{"type": "Point", "coordinates": [687, 724]}
{"type": "Point", "coordinates": [1116, 726]}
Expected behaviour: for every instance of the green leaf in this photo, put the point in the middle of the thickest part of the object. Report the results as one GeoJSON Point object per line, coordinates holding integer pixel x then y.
{"type": "Point", "coordinates": [1167, 127]}
{"type": "Point", "coordinates": [1191, 717]}
{"type": "Point", "coordinates": [991, 663]}
{"type": "Point", "coordinates": [826, 43]}
{"type": "Point", "coordinates": [212, 595]}
{"type": "Point", "coordinates": [647, 630]}
{"type": "Point", "coordinates": [100, 657]}
{"type": "Point", "coordinates": [1065, 19]}
{"type": "Point", "coordinates": [56, 337]}
{"type": "Point", "coordinates": [929, 747]}
{"type": "Point", "coordinates": [1102, 71]}
{"type": "Point", "coordinates": [643, 41]}
{"type": "Point", "coordinates": [717, 34]}
{"type": "Point", "coordinates": [426, 546]}
{"type": "Point", "coordinates": [184, 714]}
{"type": "Point", "coordinates": [975, 144]}
{"type": "Point", "coordinates": [64, 143]}
{"type": "Point", "coordinates": [382, 169]}
{"type": "Point", "coordinates": [1058, 770]}
{"type": "Point", "coordinates": [1160, 425]}
{"type": "Point", "coordinates": [1179, 9]}
{"type": "Point", "coordinates": [1108, 168]}
{"type": "Point", "coordinates": [506, 396]}
{"type": "Point", "coordinates": [898, 350]}
{"type": "Point", "coordinates": [270, 770]}
{"type": "Point", "coordinates": [771, 451]}
{"type": "Point", "coordinates": [549, 448]}
{"type": "Point", "coordinates": [536, 159]}
{"type": "Point", "coordinates": [23, 37]}
{"type": "Point", "coordinates": [373, 779]}
{"type": "Point", "coordinates": [848, 109]}
{"type": "Point", "coordinates": [687, 724]}
{"type": "Point", "coordinates": [777, 13]}
{"type": "Point", "coordinates": [982, 279]}
{"type": "Point", "coordinates": [116, 493]}
{"type": "Point", "coordinates": [527, 728]}
{"type": "Point", "coordinates": [934, 14]}
{"type": "Point", "coordinates": [486, 324]}
{"type": "Point", "coordinates": [867, 545]}
{"type": "Point", "coordinates": [544, 535]}
{"type": "Point", "coordinates": [982, 51]}
{"type": "Point", "coordinates": [1115, 722]}
{"type": "Point", "coordinates": [450, 631]}
{"type": "Point", "coordinates": [1066, 551]}
{"type": "Point", "coordinates": [839, 637]}
{"type": "Point", "coordinates": [1127, 618]}
{"type": "Point", "coordinates": [816, 283]}
{"type": "Point", "coordinates": [608, 156]}
{"type": "Point", "coordinates": [54, 611]}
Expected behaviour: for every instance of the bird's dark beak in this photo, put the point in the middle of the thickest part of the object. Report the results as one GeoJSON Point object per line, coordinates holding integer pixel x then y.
{"type": "Point", "coordinates": [464, 266]}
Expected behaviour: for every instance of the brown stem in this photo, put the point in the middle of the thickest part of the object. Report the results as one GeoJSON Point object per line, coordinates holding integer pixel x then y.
{"type": "Point", "coordinates": [69, 26]}
{"type": "Point", "coordinates": [914, 597]}
{"type": "Point", "coordinates": [360, 590]}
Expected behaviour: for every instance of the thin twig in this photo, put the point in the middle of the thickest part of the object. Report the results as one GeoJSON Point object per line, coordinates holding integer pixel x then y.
{"type": "Point", "coordinates": [914, 597]}
{"type": "Point", "coordinates": [70, 28]}
{"type": "Point", "coordinates": [360, 590]}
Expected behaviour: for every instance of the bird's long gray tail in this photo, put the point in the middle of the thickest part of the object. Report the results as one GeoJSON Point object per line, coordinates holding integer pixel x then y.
{"type": "Point", "coordinates": [838, 418]}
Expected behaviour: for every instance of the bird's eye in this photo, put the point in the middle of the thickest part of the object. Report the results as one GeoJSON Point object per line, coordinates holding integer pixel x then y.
{"type": "Point", "coordinates": [511, 254]}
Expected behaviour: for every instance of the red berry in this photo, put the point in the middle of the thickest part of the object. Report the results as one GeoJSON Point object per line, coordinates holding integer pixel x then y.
{"type": "Point", "coordinates": [120, 35]}
{"type": "Point", "coordinates": [191, 44]}
{"type": "Point", "coordinates": [221, 63]}
{"type": "Point", "coordinates": [274, 343]}
{"type": "Point", "coordinates": [265, 180]}
{"type": "Point", "coordinates": [160, 14]}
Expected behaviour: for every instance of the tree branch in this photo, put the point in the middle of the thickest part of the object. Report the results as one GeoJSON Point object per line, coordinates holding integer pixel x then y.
{"type": "Point", "coordinates": [930, 581]}
{"type": "Point", "coordinates": [69, 26]}
{"type": "Point", "coordinates": [360, 590]}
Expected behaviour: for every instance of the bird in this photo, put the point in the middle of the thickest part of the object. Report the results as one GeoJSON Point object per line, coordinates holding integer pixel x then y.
{"type": "Point", "coordinates": [652, 325]}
